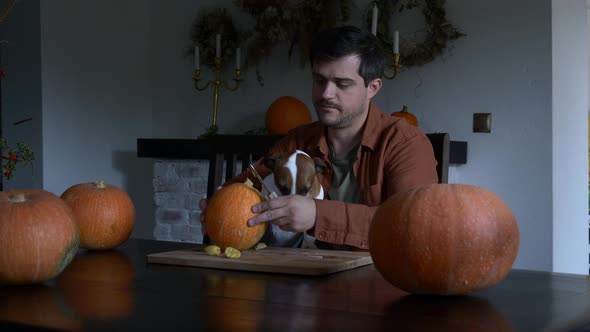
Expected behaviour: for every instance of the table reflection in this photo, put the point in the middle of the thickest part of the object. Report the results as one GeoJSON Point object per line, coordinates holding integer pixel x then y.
{"type": "Point", "coordinates": [37, 305]}
{"type": "Point", "coordinates": [446, 313]}
{"type": "Point", "coordinates": [244, 312]}
{"type": "Point", "coordinates": [99, 285]}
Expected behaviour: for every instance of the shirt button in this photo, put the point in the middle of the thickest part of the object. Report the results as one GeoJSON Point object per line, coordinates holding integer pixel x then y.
{"type": "Point", "coordinates": [322, 235]}
{"type": "Point", "coordinates": [363, 244]}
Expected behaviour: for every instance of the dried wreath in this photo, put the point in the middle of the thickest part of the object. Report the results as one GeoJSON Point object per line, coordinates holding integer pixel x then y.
{"type": "Point", "coordinates": [296, 22]}
{"type": "Point", "coordinates": [439, 31]}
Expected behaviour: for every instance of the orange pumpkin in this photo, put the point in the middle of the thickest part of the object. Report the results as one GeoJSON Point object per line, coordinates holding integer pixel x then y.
{"type": "Point", "coordinates": [411, 118]}
{"type": "Point", "coordinates": [99, 285]}
{"type": "Point", "coordinates": [286, 113]}
{"type": "Point", "coordinates": [38, 236]}
{"type": "Point", "coordinates": [105, 214]}
{"type": "Point", "coordinates": [444, 239]}
{"type": "Point", "coordinates": [227, 217]}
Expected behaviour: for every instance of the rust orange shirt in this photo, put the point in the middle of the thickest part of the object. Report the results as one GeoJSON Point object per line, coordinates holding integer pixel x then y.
{"type": "Point", "coordinates": [393, 156]}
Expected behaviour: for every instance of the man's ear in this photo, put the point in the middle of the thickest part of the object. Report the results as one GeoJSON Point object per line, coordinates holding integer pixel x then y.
{"type": "Point", "coordinates": [270, 162]}
{"type": "Point", "coordinates": [374, 87]}
{"type": "Point", "coordinates": [320, 167]}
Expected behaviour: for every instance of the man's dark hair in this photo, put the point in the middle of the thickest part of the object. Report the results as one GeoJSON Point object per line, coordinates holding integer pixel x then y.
{"type": "Point", "coordinates": [335, 43]}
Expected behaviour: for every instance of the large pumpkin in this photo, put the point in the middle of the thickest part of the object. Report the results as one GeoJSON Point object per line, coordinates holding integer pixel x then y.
{"type": "Point", "coordinates": [105, 214]}
{"type": "Point", "coordinates": [227, 216]}
{"type": "Point", "coordinates": [38, 236]}
{"type": "Point", "coordinates": [286, 113]}
{"type": "Point", "coordinates": [444, 239]}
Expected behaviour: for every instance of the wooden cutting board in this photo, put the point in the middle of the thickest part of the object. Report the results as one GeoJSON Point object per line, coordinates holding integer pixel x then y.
{"type": "Point", "coordinates": [269, 259]}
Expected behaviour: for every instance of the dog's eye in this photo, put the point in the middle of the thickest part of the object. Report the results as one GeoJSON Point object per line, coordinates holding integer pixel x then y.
{"type": "Point", "coordinates": [304, 191]}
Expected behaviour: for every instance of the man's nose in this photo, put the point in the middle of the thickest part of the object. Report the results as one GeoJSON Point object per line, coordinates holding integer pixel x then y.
{"type": "Point", "coordinates": [329, 90]}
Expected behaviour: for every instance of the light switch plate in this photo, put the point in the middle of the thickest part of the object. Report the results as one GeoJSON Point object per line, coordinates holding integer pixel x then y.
{"type": "Point", "coordinates": [482, 122]}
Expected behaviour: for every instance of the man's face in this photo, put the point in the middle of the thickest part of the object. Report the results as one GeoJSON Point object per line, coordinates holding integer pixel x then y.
{"type": "Point", "coordinates": [338, 92]}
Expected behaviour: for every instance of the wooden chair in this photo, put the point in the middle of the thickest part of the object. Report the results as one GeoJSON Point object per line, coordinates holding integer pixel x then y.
{"type": "Point", "coordinates": [441, 145]}
{"type": "Point", "coordinates": [232, 149]}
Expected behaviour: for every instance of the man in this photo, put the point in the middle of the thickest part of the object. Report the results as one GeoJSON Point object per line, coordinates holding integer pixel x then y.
{"type": "Point", "coordinates": [370, 155]}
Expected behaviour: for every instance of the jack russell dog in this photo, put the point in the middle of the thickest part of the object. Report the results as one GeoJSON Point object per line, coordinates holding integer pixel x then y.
{"type": "Point", "coordinates": [294, 174]}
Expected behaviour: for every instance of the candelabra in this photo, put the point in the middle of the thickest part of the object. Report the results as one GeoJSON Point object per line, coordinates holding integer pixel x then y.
{"type": "Point", "coordinates": [395, 63]}
{"type": "Point", "coordinates": [394, 67]}
{"type": "Point", "coordinates": [217, 83]}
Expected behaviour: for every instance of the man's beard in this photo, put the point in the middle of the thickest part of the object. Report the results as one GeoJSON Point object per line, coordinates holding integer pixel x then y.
{"type": "Point", "coordinates": [342, 121]}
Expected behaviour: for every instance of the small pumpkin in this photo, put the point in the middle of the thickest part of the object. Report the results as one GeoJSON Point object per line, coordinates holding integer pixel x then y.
{"type": "Point", "coordinates": [105, 214]}
{"type": "Point", "coordinates": [410, 118]}
{"type": "Point", "coordinates": [444, 239]}
{"type": "Point", "coordinates": [227, 216]}
{"type": "Point", "coordinates": [38, 236]}
{"type": "Point", "coordinates": [286, 113]}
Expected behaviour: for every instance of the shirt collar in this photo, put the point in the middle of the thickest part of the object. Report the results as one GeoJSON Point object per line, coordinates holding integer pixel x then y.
{"type": "Point", "coordinates": [372, 129]}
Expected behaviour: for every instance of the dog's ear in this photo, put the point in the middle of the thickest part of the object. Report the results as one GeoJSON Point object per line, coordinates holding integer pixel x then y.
{"type": "Point", "coordinates": [270, 161]}
{"type": "Point", "coordinates": [320, 167]}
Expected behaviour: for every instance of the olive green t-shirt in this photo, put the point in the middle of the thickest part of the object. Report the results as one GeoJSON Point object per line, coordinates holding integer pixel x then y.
{"type": "Point", "coordinates": [344, 187]}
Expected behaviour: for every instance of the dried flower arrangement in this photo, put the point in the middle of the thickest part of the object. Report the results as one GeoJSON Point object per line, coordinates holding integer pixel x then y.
{"type": "Point", "coordinates": [295, 22]}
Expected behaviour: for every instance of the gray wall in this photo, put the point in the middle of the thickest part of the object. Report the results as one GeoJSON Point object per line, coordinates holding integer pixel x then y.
{"type": "Point", "coordinates": [21, 89]}
{"type": "Point", "coordinates": [96, 69]}
{"type": "Point", "coordinates": [107, 82]}
{"type": "Point", "coordinates": [570, 135]}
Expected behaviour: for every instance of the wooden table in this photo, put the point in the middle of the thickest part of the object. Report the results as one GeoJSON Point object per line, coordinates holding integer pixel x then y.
{"type": "Point", "coordinates": [119, 291]}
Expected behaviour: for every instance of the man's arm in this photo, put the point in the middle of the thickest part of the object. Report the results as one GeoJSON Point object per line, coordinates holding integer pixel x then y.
{"type": "Point", "coordinates": [408, 164]}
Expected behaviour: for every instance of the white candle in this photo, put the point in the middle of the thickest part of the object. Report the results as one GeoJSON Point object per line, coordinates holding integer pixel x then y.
{"type": "Point", "coordinates": [238, 58]}
{"type": "Point", "coordinates": [374, 21]}
{"type": "Point", "coordinates": [218, 46]}
{"type": "Point", "coordinates": [396, 42]}
{"type": "Point", "coordinates": [197, 58]}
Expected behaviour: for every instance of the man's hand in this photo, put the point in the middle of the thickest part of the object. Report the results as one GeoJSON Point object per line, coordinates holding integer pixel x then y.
{"type": "Point", "coordinates": [292, 213]}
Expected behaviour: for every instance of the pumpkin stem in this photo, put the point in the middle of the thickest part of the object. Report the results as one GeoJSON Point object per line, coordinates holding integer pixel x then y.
{"type": "Point", "coordinates": [18, 198]}
{"type": "Point", "coordinates": [405, 109]}
{"type": "Point", "coordinates": [249, 183]}
{"type": "Point", "coordinates": [100, 184]}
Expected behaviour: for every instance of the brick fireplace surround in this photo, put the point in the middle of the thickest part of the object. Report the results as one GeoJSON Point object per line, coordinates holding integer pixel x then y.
{"type": "Point", "coordinates": [178, 185]}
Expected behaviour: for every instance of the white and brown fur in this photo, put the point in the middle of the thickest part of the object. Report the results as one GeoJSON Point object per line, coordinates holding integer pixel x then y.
{"type": "Point", "coordinates": [294, 174]}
